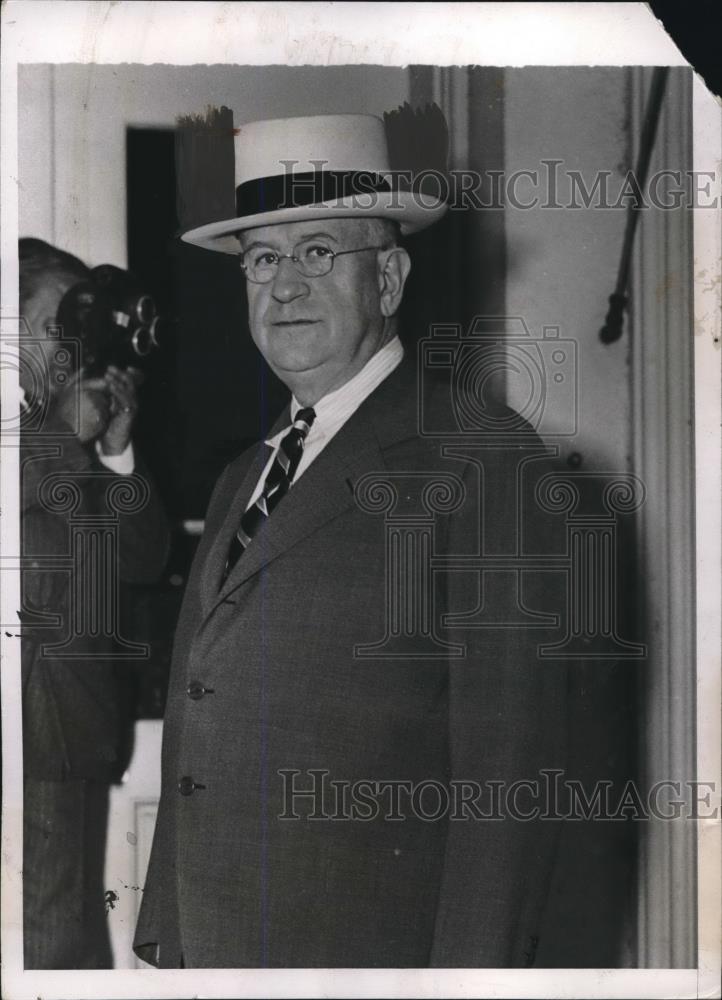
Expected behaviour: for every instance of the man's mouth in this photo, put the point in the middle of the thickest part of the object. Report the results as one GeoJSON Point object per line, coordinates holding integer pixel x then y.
{"type": "Point", "coordinates": [294, 322]}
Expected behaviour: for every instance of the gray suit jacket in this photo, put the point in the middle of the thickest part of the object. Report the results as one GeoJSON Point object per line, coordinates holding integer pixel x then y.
{"type": "Point", "coordinates": [73, 725]}
{"type": "Point", "coordinates": [265, 680]}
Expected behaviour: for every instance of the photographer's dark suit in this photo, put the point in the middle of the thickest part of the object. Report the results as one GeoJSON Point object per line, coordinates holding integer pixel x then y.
{"type": "Point", "coordinates": [73, 725]}
{"type": "Point", "coordinates": [265, 679]}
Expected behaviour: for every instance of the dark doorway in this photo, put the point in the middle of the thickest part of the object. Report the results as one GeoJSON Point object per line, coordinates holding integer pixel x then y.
{"type": "Point", "coordinates": [208, 394]}
{"type": "Point", "coordinates": [206, 397]}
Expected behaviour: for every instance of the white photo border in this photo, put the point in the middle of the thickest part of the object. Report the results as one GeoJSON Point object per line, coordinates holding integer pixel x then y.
{"type": "Point", "coordinates": [324, 34]}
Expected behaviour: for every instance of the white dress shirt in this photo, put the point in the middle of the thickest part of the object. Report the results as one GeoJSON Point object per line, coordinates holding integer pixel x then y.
{"type": "Point", "coordinates": [123, 464]}
{"type": "Point", "coordinates": [334, 409]}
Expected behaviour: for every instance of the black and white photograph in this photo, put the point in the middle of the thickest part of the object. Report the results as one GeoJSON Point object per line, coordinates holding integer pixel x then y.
{"type": "Point", "coordinates": [360, 503]}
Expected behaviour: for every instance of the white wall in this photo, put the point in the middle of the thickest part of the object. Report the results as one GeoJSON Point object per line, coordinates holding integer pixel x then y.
{"type": "Point", "coordinates": [73, 121]}
{"type": "Point", "coordinates": [562, 264]}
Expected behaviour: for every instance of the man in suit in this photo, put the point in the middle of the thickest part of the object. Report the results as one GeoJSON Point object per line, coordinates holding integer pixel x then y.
{"type": "Point", "coordinates": [74, 728]}
{"type": "Point", "coordinates": [310, 655]}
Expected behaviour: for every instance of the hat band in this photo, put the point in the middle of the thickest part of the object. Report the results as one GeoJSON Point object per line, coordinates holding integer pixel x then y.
{"type": "Point", "coordinates": [289, 190]}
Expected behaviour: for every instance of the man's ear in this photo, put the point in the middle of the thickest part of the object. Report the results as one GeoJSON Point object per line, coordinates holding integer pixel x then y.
{"type": "Point", "coordinates": [394, 267]}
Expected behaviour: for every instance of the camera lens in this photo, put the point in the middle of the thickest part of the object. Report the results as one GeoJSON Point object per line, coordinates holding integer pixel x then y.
{"type": "Point", "coordinates": [142, 342]}
{"type": "Point", "coordinates": [145, 309]}
{"type": "Point", "coordinates": [156, 331]}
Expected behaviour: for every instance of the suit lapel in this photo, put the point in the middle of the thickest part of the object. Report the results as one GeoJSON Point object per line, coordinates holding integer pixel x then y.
{"type": "Point", "coordinates": [323, 491]}
{"type": "Point", "coordinates": [215, 561]}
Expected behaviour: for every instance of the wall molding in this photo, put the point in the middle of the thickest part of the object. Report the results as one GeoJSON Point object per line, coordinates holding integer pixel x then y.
{"type": "Point", "coordinates": [660, 327]}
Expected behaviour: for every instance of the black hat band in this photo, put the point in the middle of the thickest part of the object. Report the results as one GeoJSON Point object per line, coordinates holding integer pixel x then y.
{"type": "Point", "coordinates": [289, 190]}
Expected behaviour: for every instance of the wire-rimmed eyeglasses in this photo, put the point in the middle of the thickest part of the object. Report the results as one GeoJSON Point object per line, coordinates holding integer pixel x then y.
{"type": "Point", "coordinates": [311, 259]}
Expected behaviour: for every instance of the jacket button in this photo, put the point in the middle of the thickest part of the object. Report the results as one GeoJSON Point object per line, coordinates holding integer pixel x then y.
{"type": "Point", "coordinates": [196, 690]}
{"type": "Point", "coordinates": [186, 786]}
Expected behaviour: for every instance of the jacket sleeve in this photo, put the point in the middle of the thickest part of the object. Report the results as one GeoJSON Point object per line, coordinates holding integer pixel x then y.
{"type": "Point", "coordinates": [507, 726]}
{"type": "Point", "coordinates": [44, 529]}
{"type": "Point", "coordinates": [143, 534]}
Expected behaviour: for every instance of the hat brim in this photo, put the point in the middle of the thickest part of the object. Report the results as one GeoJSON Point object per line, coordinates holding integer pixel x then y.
{"type": "Point", "coordinates": [411, 210]}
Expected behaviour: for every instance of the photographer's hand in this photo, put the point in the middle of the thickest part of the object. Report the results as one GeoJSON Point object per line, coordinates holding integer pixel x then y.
{"type": "Point", "coordinates": [121, 386]}
{"type": "Point", "coordinates": [85, 404]}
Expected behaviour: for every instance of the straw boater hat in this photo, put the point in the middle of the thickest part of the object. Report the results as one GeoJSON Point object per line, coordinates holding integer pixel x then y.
{"type": "Point", "coordinates": [323, 167]}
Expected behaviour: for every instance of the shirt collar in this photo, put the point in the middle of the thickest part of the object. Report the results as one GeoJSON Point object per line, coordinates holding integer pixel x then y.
{"type": "Point", "coordinates": [334, 409]}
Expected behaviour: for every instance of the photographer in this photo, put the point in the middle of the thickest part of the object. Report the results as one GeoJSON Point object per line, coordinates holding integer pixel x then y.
{"type": "Point", "coordinates": [73, 724]}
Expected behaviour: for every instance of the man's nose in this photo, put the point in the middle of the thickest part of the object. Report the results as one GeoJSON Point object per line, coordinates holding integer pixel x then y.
{"type": "Point", "coordinates": [288, 284]}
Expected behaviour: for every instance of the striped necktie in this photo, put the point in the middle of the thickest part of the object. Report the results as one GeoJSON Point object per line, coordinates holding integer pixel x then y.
{"type": "Point", "coordinates": [276, 485]}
